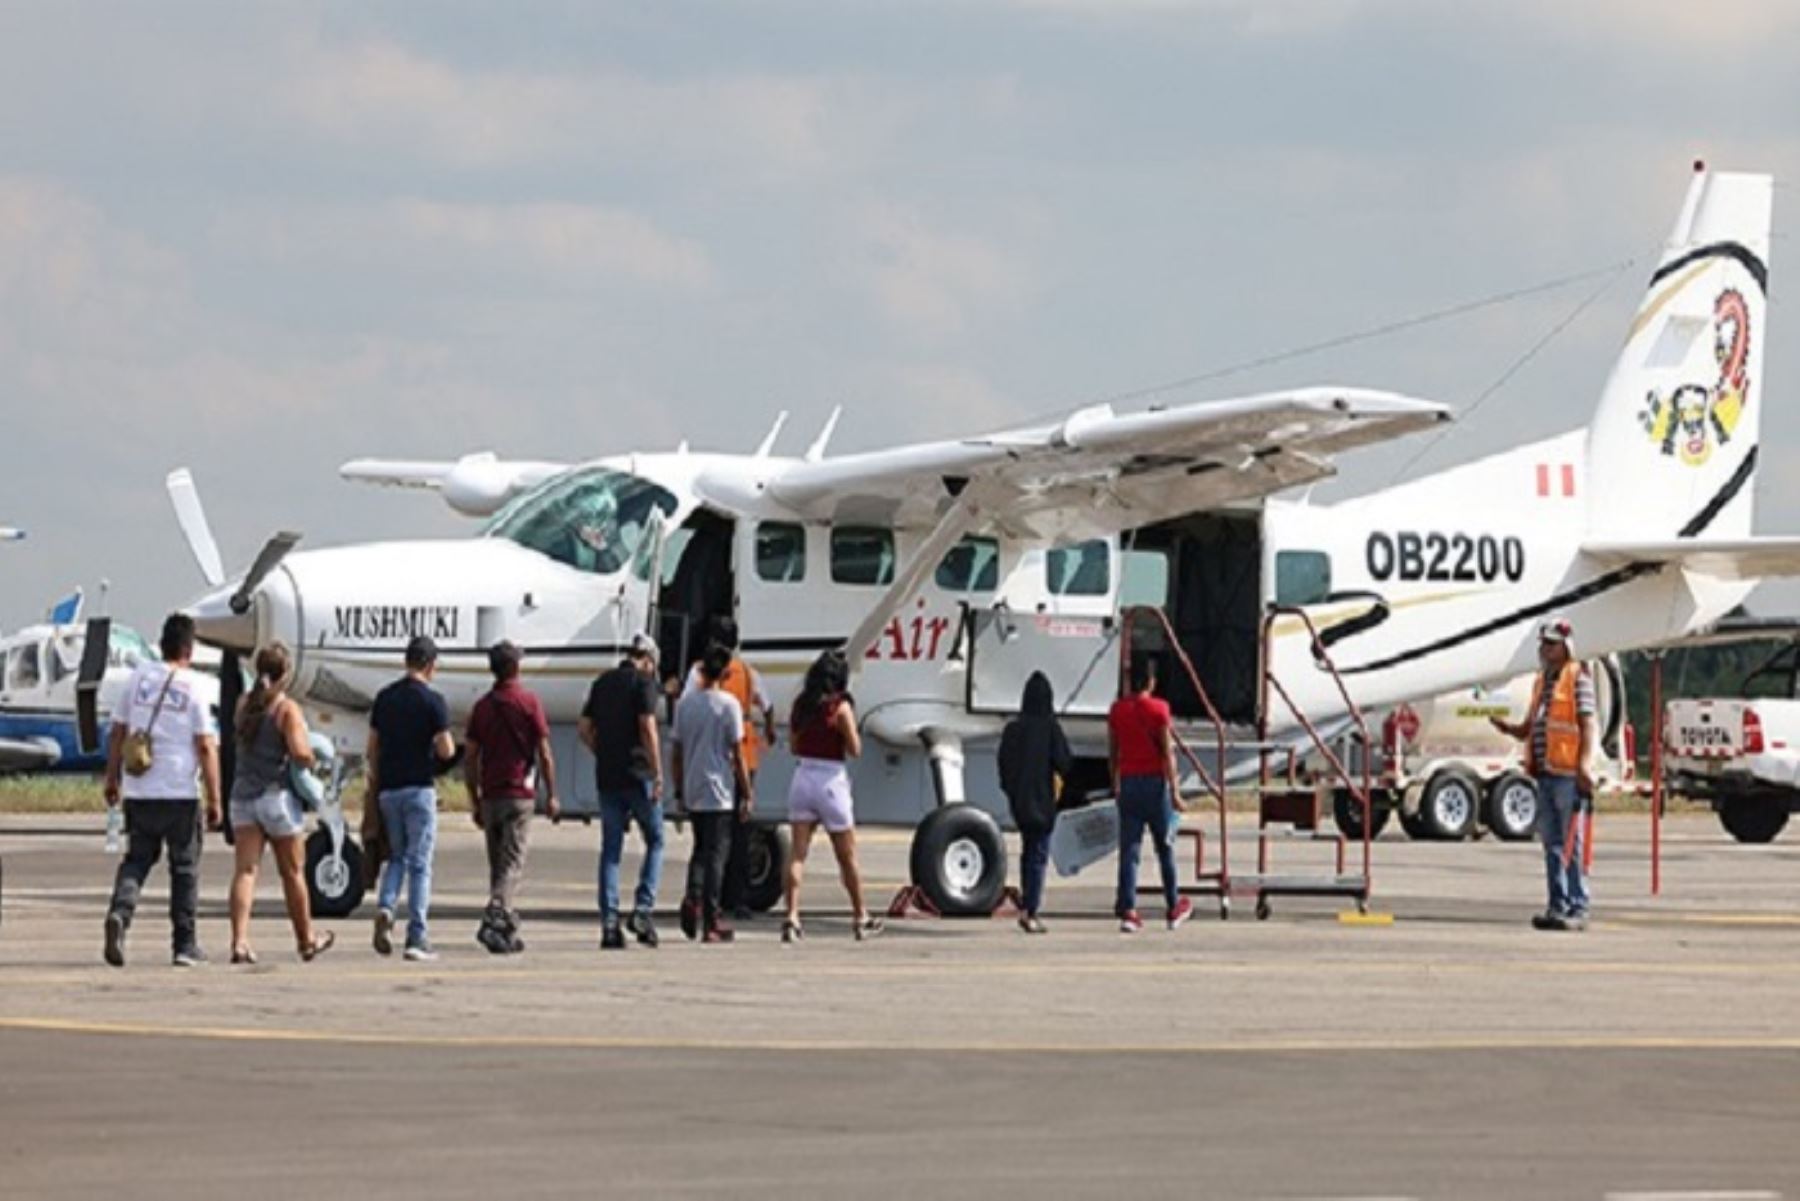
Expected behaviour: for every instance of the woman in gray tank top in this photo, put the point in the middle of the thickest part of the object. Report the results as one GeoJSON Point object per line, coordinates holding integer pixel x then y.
{"type": "Point", "coordinates": [270, 732]}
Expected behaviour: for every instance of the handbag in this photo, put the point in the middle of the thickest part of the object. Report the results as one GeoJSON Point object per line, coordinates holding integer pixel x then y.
{"type": "Point", "coordinates": [138, 754]}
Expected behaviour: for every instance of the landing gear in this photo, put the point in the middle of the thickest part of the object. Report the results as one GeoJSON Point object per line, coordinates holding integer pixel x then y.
{"type": "Point", "coordinates": [334, 874]}
{"type": "Point", "coordinates": [959, 861]}
{"type": "Point", "coordinates": [769, 849]}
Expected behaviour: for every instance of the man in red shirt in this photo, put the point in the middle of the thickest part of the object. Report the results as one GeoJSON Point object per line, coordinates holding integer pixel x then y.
{"type": "Point", "coordinates": [1140, 735]}
{"type": "Point", "coordinates": [508, 743]}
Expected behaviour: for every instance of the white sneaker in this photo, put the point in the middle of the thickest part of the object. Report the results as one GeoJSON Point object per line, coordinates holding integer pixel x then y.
{"type": "Point", "coordinates": [421, 952]}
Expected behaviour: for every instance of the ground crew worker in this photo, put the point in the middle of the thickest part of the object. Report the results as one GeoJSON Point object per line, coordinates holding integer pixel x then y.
{"type": "Point", "coordinates": [1559, 730]}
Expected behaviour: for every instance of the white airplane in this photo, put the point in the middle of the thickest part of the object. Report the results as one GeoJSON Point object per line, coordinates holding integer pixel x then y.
{"type": "Point", "coordinates": [10, 534]}
{"type": "Point", "coordinates": [950, 570]}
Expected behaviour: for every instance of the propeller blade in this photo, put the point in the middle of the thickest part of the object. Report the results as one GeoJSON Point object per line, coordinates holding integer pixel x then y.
{"type": "Point", "coordinates": [96, 652]}
{"type": "Point", "coordinates": [231, 688]}
{"type": "Point", "coordinates": [273, 552]}
{"type": "Point", "coordinates": [192, 518]}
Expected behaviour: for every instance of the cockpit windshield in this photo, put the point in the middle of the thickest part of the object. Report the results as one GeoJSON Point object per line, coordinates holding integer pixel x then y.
{"type": "Point", "coordinates": [595, 520]}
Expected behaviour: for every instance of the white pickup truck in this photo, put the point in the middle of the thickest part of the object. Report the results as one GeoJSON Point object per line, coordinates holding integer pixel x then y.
{"type": "Point", "coordinates": [1742, 756]}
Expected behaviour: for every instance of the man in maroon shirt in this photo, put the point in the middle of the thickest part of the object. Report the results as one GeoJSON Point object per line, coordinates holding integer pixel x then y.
{"type": "Point", "coordinates": [508, 743]}
{"type": "Point", "coordinates": [1141, 733]}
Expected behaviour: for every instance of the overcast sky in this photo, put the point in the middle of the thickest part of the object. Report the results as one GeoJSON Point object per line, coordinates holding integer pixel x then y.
{"type": "Point", "coordinates": [259, 240]}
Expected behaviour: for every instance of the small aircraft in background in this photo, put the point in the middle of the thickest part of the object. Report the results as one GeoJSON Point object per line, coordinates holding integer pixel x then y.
{"type": "Point", "coordinates": [11, 534]}
{"type": "Point", "coordinates": [40, 671]}
{"type": "Point", "coordinates": [948, 571]}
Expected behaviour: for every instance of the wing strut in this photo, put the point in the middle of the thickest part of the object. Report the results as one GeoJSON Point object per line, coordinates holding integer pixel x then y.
{"type": "Point", "coordinates": [969, 509]}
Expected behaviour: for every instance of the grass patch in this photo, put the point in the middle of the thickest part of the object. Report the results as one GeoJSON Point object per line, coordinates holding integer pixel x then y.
{"type": "Point", "coordinates": [82, 794]}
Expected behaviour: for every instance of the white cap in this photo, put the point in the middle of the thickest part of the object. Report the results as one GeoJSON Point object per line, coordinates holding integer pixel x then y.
{"type": "Point", "coordinates": [644, 646]}
{"type": "Point", "coordinates": [1555, 629]}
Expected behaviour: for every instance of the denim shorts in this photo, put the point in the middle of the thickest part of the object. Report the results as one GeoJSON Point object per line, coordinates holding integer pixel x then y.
{"type": "Point", "coordinates": [276, 813]}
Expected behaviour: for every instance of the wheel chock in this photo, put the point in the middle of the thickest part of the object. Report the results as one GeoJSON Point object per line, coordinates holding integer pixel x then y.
{"type": "Point", "coordinates": [911, 901]}
{"type": "Point", "coordinates": [1353, 917]}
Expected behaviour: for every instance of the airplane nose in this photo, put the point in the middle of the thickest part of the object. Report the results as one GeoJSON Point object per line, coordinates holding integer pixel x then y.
{"type": "Point", "coordinates": [217, 624]}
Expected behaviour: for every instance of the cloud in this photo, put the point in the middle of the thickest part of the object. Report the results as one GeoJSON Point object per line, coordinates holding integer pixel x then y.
{"type": "Point", "coordinates": [927, 282]}
{"type": "Point", "coordinates": [382, 94]}
{"type": "Point", "coordinates": [584, 245]}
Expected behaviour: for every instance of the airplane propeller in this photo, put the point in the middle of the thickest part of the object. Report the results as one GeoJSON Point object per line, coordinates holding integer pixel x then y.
{"type": "Point", "coordinates": [96, 652]}
{"type": "Point", "coordinates": [190, 514]}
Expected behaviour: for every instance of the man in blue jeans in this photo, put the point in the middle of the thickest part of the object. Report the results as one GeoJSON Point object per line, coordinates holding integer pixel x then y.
{"type": "Point", "coordinates": [409, 739]}
{"type": "Point", "coordinates": [618, 724]}
{"type": "Point", "coordinates": [1140, 735]}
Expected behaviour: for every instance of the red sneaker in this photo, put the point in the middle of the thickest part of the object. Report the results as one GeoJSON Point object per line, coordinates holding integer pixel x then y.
{"type": "Point", "coordinates": [1183, 910]}
{"type": "Point", "coordinates": [1130, 922]}
{"type": "Point", "coordinates": [690, 918]}
{"type": "Point", "coordinates": [720, 932]}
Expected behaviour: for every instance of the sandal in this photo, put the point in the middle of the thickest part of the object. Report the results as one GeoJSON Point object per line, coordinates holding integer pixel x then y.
{"type": "Point", "coordinates": [791, 931]}
{"type": "Point", "coordinates": [320, 945]}
{"type": "Point", "coordinates": [869, 927]}
{"type": "Point", "coordinates": [243, 956]}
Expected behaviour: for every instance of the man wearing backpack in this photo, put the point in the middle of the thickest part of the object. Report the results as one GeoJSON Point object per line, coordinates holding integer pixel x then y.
{"type": "Point", "coordinates": [163, 737]}
{"type": "Point", "coordinates": [507, 747]}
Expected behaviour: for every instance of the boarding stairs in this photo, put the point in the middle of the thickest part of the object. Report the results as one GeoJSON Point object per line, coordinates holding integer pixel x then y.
{"type": "Point", "coordinates": [1291, 803]}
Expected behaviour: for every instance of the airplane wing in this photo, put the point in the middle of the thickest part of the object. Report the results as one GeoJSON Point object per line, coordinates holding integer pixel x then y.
{"type": "Point", "coordinates": [28, 754]}
{"type": "Point", "coordinates": [477, 485]}
{"type": "Point", "coordinates": [1099, 471]}
{"type": "Point", "coordinates": [1725, 559]}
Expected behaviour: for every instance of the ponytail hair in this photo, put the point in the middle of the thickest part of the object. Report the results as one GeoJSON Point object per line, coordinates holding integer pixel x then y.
{"type": "Point", "coordinates": [273, 665]}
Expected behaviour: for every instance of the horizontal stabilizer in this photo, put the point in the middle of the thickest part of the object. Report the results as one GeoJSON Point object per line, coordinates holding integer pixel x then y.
{"type": "Point", "coordinates": [1725, 559]}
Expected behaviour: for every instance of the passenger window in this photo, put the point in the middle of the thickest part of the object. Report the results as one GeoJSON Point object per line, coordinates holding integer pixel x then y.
{"type": "Point", "coordinates": [22, 672]}
{"type": "Point", "coordinates": [973, 565]}
{"type": "Point", "coordinates": [1084, 569]}
{"type": "Point", "coordinates": [862, 555]}
{"type": "Point", "coordinates": [780, 552]}
{"type": "Point", "coordinates": [1144, 578]}
{"type": "Point", "coordinates": [1302, 577]}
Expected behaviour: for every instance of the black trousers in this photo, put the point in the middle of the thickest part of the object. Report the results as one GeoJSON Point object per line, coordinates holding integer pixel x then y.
{"type": "Point", "coordinates": [706, 867]}
{"type": "Point", "coordinates": [150, 826]}
{"type": "Point", "coordinates": [736, 894]}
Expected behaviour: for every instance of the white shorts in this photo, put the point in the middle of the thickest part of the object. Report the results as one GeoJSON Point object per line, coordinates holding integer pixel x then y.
{"type": "Point", "coordinates": [820, 793]}
{"type": "Point", "coordinates": [276, 813]}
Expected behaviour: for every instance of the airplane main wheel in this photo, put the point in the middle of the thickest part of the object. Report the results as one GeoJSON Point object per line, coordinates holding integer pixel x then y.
{"type": "Point", "coordinates": [1749, 819]}
{"type": "Point", "coordinates": [1347, 811]}
{"type": "Point", "coordinates": [959, 861]}
{"type": "Point", "coordinates": [335, 882]}
{"type": "Point", "coordinates": [768, 848]}
{"type": "Point", "coordinates": [1512, 803]}
{"type": "Point", "coordinates": [1452, 804]}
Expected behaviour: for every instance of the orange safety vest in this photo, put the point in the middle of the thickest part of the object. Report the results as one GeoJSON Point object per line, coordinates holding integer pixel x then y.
{"type": "Point", "coordinates": [736, 682]}
{"type": "Point", "coordinates": [1562, 725]}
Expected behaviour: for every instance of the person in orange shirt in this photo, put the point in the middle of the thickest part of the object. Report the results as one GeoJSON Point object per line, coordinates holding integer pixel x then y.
{"type": "Point", "coordinates": [741, 681]}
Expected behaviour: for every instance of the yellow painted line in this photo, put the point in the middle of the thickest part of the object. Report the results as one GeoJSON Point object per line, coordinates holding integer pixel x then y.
{"type": "Point", "coordinates": [810, 1044]}
{"type": "Point", "coordinates": [1350, 917]}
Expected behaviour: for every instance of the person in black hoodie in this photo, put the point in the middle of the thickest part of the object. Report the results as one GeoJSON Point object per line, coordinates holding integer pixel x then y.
{"type": "Point", "coordinates": [1033, 753]}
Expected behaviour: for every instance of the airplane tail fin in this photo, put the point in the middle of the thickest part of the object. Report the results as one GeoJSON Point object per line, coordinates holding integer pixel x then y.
{"type": "Point", "coordinates": [1672, 450]}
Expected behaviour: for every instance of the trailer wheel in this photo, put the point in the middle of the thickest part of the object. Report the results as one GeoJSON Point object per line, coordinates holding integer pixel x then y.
{"type": "Point", "coordinates": [959, 860]}
{"type": "Point", "coordinates": [1414, 825]}
{"type": "Point", "coordinates": [1511, 809]}
{"type": "Point", "coordinates": [1451, 804]}
{"type": "Point", "coordinates": [768, 848]}
{"type": "Point", "coordinates": [1348, 812]}
{"type": "Point", "coordinates": [335, 883]}
{"type": "Point", "coordinates": [1749, 819]}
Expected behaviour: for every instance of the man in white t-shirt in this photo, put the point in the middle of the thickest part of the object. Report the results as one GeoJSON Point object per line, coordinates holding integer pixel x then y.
{"type": "Point", "coordinates": [162, 806]}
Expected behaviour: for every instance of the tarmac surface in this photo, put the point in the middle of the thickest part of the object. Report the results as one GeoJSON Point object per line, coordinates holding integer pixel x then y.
{"type": "Point", "coordinates": [1453, 1053]}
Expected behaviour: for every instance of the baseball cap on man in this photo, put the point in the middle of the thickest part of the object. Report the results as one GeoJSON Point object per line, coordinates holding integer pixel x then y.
{"type": "Point", "coordinates": [643, 647]}
{"type": "Point", "coordinates": [1557, 629]}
